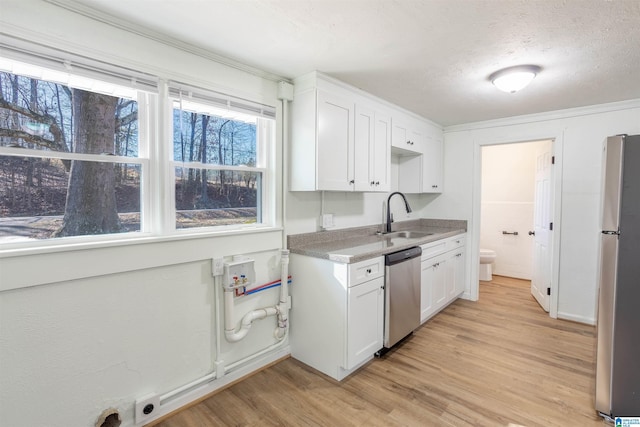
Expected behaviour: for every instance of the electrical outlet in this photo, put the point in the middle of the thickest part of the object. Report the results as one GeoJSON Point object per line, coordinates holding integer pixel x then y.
{"type": "Point", "coordinates": [327, 220]}
{"type": "Point", "coordinates": [147, 407]}
{"type": "Point", "coordinates": [217, 266]}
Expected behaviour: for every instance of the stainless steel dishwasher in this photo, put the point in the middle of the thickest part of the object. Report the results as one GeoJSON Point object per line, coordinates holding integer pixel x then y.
{"type": "Point", "coordinates": [402, 294]}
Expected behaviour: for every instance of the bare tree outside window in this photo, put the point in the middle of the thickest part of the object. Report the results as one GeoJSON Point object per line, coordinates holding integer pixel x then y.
{"type": "Point", "coordinates": [71, 162]}
{"type": "Point", "coordinates": [43, 195]}
{"type": "Point", "coordinates": [225, 189]}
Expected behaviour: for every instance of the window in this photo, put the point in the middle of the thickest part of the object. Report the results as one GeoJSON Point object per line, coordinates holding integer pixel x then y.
{"type": "Point", "coordinates": [70, 155]}
{"type": "Point", "coordinates": [76, 157]}
{"type": "Point", "coordinates": [220, 160]}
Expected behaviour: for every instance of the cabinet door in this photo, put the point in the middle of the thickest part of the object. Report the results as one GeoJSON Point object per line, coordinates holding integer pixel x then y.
{"type": "Point", "coordinates": [427, 278]}
{"type": "Point", "coordinates": [459, 272]}
{"type": "Point", "coordinates": [432, 286]}
{"type": "Point", "coordinates": [372, 150]}
{"type": "Point", "coordinates": [432, 166]}
{"type": "Point", "coordinates": [440, 283]}
{"type": "Point", "coordinates": [364, 140]}
{"type": "Point", "coordinates": [400, 135]}
{"type": "Point", "coordinates": [380, 158]}
{"type": "Point", "coordinates": [405, 137]}
{"type": "Point", "coordinates": [454, 276]}
{"type": "Point", "coordinates": [335, 145]}
{"type": "Point", "coordinates": [365, 316]}
{"type": "Point", "coordinates": [450, 276]}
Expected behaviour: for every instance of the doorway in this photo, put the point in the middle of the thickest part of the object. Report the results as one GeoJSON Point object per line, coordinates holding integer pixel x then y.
{"type": "Point", "coordinates": [506, 220]}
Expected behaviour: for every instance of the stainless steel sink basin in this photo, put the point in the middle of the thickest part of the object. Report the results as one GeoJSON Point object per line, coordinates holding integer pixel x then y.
{"type": "Point", "coordinates": [406, 235]}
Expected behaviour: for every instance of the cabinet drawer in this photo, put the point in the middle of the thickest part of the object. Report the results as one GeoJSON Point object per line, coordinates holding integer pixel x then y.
{"type": "Point", "coordinates": [365, 270]}
{"type": "Point", "coordinates": [434, 248]}
{"type": "Point", "coordinates": [455, 242]}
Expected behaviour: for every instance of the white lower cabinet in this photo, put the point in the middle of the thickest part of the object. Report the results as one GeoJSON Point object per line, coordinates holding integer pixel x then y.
{"type": "Point", "coordinates": [455, 283]}
{"type": "Point", "coordinates": [365, 317]}
{"type": "Point", "coordinates": [427, 279]}
{"type": "Point", "coordinates": [443, 275]}
{"type": "Point", "coordinates": [337, 313]}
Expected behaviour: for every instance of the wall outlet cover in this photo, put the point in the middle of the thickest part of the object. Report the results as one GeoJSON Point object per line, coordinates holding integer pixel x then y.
{"type": "Point", "coordinates": [327, 220]}
{"type": "Point", "coordinates": [217, 266]}
{"type": "Point", "coordinates": [146, 407]}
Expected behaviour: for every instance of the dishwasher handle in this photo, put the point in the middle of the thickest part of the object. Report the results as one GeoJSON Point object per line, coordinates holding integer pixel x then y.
{"type": "Point", "coordinates": [401, 256]}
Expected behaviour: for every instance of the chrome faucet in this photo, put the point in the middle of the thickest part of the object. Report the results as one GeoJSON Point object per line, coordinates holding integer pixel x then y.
{"type": "Point", "coordinates": [389, 216]}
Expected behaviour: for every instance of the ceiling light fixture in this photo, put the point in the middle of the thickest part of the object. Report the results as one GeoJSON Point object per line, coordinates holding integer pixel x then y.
{"type": "Point", "coordinates": [513, 79]}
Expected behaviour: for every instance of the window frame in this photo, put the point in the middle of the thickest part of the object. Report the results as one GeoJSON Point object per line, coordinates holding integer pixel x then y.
{"type": "Point", "coordinates": [265, 153]}
{"type": "Point", "coordinates": [155, 157]}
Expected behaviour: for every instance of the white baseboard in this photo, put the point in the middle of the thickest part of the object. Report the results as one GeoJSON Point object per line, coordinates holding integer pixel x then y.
{"type": "Point", "coordinates": [217, 384]}
{"type": "Point", "coordinates": [579, 319]}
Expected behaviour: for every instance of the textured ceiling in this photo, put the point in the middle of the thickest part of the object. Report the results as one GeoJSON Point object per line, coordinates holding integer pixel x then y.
{"type": "Point", "coordinates": [432, 57]}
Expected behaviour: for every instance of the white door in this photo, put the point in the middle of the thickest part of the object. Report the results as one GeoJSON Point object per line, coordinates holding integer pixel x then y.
{"type": "Point", "coordinates": [541, 278]}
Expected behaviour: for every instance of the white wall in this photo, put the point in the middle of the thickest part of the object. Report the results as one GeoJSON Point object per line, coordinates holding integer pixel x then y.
{"type": "Point", "coordinates": [508, 179]}
{"type": "Point", "coordinates": [353, 209]}
{"type": "Point", "coordinates": [579, 135]}
{"type": "Point", "coordinates": [349, 209]}
{"type": "Point", "coordinates": [85, 329]}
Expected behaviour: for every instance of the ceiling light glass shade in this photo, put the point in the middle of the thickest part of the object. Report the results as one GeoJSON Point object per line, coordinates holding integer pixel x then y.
{"type": "Point", "coordinates": [513, 79]}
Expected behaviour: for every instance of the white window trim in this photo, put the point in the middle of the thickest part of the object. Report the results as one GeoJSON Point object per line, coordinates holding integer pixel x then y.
{"type": "Point", "coordinates": [157, 186]}
{"type": "Point", "coordinates": [205, 98]}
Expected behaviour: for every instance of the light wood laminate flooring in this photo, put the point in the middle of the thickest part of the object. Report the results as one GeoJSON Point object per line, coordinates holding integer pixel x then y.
{"type": "Point", "coordinates": [500, 361]}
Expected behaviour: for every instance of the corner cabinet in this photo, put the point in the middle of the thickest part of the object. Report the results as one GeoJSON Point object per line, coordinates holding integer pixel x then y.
{"type": "Point", "coordinates": [340, 141]}
{"type": "Point", "coordinates": [337, 313]}
{"type": "Point", "coordinates": [442, 274]}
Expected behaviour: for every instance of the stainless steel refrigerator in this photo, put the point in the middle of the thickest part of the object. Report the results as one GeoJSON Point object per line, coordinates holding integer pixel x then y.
{"type": "Point", "coordinates": [618, 328]}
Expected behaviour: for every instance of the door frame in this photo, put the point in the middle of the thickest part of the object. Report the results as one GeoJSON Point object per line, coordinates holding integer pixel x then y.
{"type": "Point", "coordinates": [556, 181]}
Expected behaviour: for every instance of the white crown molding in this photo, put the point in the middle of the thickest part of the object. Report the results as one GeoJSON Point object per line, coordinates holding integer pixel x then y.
{"type": "Point", "coordinates": [308, 80]}
{"type": "Point", "coordinates": [124, 25]}
{"type": "Point", "coordinates": [549, 115]}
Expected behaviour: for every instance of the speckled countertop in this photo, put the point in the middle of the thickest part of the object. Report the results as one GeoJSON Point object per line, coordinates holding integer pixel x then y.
{"type": "Point", "coordinates": [360, 243]}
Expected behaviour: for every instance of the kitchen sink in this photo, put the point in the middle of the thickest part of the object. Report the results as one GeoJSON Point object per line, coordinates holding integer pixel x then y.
{"type": "Point", "coordinates": [406, 235]}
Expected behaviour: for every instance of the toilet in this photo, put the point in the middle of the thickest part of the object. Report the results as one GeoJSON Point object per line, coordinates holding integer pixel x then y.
{"type": "Point", "coordinates": [487, 258]}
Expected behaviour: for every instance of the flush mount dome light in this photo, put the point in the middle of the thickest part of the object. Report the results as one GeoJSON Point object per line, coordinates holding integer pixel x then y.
{"type": "Point", "coordinates": [513, 79]}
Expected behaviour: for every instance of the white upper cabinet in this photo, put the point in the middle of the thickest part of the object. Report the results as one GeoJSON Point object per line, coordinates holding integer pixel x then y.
{"type": "Point", "coordinates": [343, 139]}
{"type": "Point", "coordinates": [372, 150]}
{"type": "Point", "coordinates": [407, 145]}
{"type": "Point", "coordinates": [432, 162]}
{"type": "Point", "coordinates": [380, 154]}
{"type": "Point", "coordinates": [335, 144]}
{"type": "Point", "coordinates": [340, 139]}
{"type": "Point", "coordinates": [364, 139]}
{"type": "Point", "coordinates": [407, 135]}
